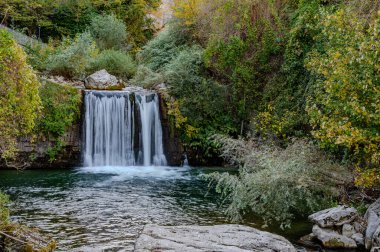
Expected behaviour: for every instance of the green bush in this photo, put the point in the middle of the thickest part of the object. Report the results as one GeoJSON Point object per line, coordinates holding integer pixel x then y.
{"type": "Point", "coordinates": [146, 78]}
{"type": "Point", "coordinates": [278, 185]}
{"type": "Point", "coordinates": [184, 72]}
{"type": "Point", "coordinates": [109, 32]}
{"type": "Point", "coordinates": [61, 109]}
{"type": "Point", "coordinates": [165, 47]}
{"type": "Point", "coordinates": [73, 56]}
{"type": "Point", "coordinates": [19, 101]}
{"type": "Point", "coordinates": [115, 62]}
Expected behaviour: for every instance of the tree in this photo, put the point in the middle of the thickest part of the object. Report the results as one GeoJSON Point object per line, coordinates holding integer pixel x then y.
{"type": "Point", "coordinates": [19, 99]}
{"type": "Point", "coordinates": [32, 14]}
{"type": "Point", "coordinates": [109, 32]}
{"type": "Point", "coordinates": [345, 108]}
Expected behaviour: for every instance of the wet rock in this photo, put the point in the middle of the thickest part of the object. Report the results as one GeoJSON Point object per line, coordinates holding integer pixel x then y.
{"type": "Point", "coordinates": [102, 80]}
{"type": "Point", "coordinates": [358, 238]}
{"type": "Point", "coordinates": [309, 241]}
{"type": "Point", "coordinates": [229, 238]}
{"type": "Point", "coordinates": [336, 216]}
{"type": "Point", "coordinates": [348, 230]}
{"type": "Point", "coordinates": [375, 249]}
{"type": "Point", "coordinates": [332, 239]}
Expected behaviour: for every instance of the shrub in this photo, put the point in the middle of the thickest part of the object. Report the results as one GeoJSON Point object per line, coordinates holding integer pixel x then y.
{"type": "Point", "coordinates": [184, 72]}
{"type": "Point", "coordinates": [146, 78]}
{"type": "Point", "coordinates": [278, 184]}
{"type": "Point", "coordinates": [19, 99]}
{"type": "Point", "coordinates": [38, 55]}
{"type": "Point", "coordinates": [109, 32]}
{"type": "Point", "coordinates": [73, 56]}
{"type": "Point", "coordinates": [61, 109]}
{"type": "Point", "coordinates": [165, 47]}
{"type": "Point", "coordinates": [115, 62]}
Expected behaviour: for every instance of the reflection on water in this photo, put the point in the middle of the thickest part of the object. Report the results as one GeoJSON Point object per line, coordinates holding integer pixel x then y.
{"type": "Point", "coordinates": [104, 208]}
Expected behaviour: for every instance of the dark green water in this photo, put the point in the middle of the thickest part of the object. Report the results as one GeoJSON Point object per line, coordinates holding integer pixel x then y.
{"type": "Point", "coordinates": [103, 209]}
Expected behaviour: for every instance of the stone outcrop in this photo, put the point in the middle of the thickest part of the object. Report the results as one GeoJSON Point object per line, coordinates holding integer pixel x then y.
{"type": "Point", "coordinates": [336, 216]}
{"type": "Point", "coordinates": [372, 234]}
{"type": "Point", "coordinates": [342, 227]}
{"type": "Point", "coordinates": [338, 227]}
{"type": "Point", "coordinates": [332, 239]}
{"type": "Point", "coordinates": [229, 238]}
{"type": "Point", "coordinates": [34, 154]}
{"type": "Point", "coordinates": [170, 136]}
{"type": "Point", "coordinates": [102, 80]}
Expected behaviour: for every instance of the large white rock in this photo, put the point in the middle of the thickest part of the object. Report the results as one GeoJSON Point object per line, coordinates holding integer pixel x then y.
{"type": "Point", "coordinates": [374, 207]}
{"type": "Point", "coordinates": [358, 238]}
{"type": "Point", "coordinates": [372, 217]}
{"type": "Point", "coordinates": [336, 216]}
{"type": "Point", "coordinates": [332, 239]}
{"type": "Point", "coordinates": [228, 238]}
{"type": "Point", "coordinates": [102, 80]}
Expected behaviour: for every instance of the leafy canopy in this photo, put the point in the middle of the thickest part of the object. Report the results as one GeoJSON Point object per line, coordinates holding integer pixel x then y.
{"type": "Point", "coordinates": [345, 108]}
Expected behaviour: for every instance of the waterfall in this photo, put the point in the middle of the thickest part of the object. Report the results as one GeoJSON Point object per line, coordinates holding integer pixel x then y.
{"type": "Point", "coordinates": [122, 129]}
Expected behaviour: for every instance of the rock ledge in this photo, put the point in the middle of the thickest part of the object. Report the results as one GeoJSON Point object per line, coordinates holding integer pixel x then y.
{"type": "Point", "coordinates": [231, 238]}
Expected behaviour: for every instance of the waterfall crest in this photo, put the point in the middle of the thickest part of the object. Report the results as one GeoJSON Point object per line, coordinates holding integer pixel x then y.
{"type": "Point", "coordinates": [122, 129]}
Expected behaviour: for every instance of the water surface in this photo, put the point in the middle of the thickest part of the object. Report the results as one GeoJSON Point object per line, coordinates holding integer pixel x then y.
{"type": "Point", "coordinates": [104, 208]}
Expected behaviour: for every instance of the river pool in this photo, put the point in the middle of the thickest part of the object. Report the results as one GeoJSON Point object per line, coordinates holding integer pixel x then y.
{"type": "Point", "coordinates": [104, 208]}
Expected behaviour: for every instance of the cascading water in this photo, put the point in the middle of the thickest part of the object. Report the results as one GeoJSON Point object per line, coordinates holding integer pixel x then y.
{"type": "Point", "coordinates": [122, 129]}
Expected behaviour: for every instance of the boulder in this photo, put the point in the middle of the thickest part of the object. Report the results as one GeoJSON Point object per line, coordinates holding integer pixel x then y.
{"type": "Point", "coordinates": [348, 230]}
{"type": "Point", "coordinates": [332, 239]}
{"type": "Point", "coordinates": [375, 207]}
{"type": "Point", "coordinates": [102, 80]}
{"type": "Point", "coordinates": [358, 238]}
{"type": "Point", "coordinates": [372, 217]}
{"type": "Point", "coordinates": [231, 238]}
{"type": "Point", "coordinates": [336, 216]}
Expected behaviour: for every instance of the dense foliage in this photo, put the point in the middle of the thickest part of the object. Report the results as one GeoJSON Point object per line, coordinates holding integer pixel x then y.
{"type": "Point", "coordinates": [103, 45]}
{"type": "Point", "coordinates": [109, 32]}
{"type": "Point", "coordinates": [278, 184]}
{"type": "Point", "coordinates": [115, 62]}
{"type": "Point", "coordinates": [345, 108]}
{"type": "Point", "coordinates": [288, 68]}
{"type": "Point", "coordinates": [73, 56]}
{"type": "Point", "coordinates": [61, 109]}
{"type": "Point", "coordinates": [19, 99]}
{"type": "Point", "coordinates": [57, 18]}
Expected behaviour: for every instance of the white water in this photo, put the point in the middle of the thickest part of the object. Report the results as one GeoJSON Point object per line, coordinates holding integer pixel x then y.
{"type": "Point", "coordinates": [110, 128]}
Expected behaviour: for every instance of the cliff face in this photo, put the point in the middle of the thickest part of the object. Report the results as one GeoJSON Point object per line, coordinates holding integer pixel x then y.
{"type": "Point", "coordinates": [172, 145]}
{"type": "Point", "coordinates": [35, 154]}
